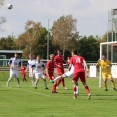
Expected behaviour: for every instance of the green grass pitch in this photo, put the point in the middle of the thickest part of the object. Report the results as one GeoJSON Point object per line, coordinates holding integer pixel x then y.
{"type": "Point", "coordinates": [29, 102]}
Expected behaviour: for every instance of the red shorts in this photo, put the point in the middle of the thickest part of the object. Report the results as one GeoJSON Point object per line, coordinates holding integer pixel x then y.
{"type": "Point", "coordinates": [60, 71]}
{"type": "Point", "coordinates": [51, 76]}
{"type": "Point", "coordinates": [23, 74]}
{"type": "Point", "coordinates": [78, 75]}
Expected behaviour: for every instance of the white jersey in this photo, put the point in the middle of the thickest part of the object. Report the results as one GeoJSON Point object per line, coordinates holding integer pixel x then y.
{"type": "Point", "coordinates": [72, 69]}
{"type": "Point", "coordinates": [15, 62]}
{"type": "Point", "coordinates": [70, 73]}
{"type": "Point", "coordinates": [38, 67]}
{"type": "Point", "coordinates": [29, 64]}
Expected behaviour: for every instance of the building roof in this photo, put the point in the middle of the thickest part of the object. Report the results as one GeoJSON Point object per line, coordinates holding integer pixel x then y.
{"type": "Point", "coordinates": [11, 51]}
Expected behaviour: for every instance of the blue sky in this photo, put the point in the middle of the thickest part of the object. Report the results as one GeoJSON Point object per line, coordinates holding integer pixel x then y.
{"type": "Point", "coordinates": [91, 15]}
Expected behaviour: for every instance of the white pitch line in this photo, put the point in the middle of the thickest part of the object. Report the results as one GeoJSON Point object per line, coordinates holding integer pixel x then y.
{"type": "Point", "coordinates": [35, 92]}
{"type": "Point", "coordinates": [31, 91]}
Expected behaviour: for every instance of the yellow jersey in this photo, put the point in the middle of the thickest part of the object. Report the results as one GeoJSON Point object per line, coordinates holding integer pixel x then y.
{"type": "Point", "coordinates": [104, 65]}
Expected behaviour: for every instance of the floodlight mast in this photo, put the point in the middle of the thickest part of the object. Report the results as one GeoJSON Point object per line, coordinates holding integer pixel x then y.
{"type": "Point", "coordinates": [48, 42]}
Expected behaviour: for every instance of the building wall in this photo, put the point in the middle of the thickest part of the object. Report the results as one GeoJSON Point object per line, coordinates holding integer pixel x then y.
{"type": "Point", "coordinates": [9, 55]}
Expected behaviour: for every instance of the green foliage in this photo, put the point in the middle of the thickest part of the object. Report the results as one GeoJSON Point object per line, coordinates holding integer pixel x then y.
{"type": "Point", "coordinates": [7, 43]}
{"type": "Point", "coordinates": [89, 48]}
{"type": "Point", "coordinates": [42, 43]}
{"type": "Point", "coordinates": [63, 35]}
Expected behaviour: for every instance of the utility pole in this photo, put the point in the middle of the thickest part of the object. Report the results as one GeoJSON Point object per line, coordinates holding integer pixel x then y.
{"type": "Point", "coordinates": [48, 42]}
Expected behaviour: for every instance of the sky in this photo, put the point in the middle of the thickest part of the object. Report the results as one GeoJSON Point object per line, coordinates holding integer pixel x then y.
{"type": "Point", "coordinates": [91, 15]}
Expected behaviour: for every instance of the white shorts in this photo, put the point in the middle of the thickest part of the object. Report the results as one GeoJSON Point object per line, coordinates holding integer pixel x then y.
{"type": "Point", "coordinates": [38, 75]}
{"type": "Point", "coordinates": [69, 74]}
{"type": "Point", "coordinates": [14, 73]}
{"type": "Point", "coordinates": [30, 74]}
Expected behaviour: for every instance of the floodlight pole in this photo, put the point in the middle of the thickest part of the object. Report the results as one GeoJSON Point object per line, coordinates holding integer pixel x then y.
{"type": "Point", "coordinates": [48, 42]}
{"type": "Point", "coordinates": [108, 34]}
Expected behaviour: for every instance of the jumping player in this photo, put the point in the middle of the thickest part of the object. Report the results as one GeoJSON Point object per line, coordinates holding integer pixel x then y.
{"type": "Point", "coordinates": [77, 62]}
{"type": "Point", "coordinates": [50, 72]}
{"type": "Point", "coordinates": [14, 63]}
{"type": "Point", "coordinates": [30, 62]}
{"type": "Point", "coordinates": [23, 72]}
{"type": "Point", "coordinates": [66, 75]}
{"type": "Point", "coordinates": [59, 60]}
{"type": "Point", "coordinates": [106, 71]}
{"type": "Point", "coordinates": [38, 68]}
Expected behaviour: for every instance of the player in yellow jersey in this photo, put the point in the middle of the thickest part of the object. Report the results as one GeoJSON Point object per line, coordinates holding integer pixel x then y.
{"type": "Point", "coordinates": [106, 71]}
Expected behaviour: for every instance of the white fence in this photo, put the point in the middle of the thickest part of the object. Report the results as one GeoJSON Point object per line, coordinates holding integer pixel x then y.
{"type": "Point", "coordinates": [93, 71]}
{"type": "Point", "coordinates": [4, 63]}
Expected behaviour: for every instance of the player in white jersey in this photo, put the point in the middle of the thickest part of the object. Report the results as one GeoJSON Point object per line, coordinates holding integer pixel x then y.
{"type": "Point", "coordinates": [14, 63]}
{"type": "Point", "coordinates": [66, 75]}
{"type": "Point", "coordinates": [30, 62]}
{"type": "Point", "coordinates": [38, 68]}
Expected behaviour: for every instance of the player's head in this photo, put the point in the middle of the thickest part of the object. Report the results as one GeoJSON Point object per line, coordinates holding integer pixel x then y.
{"type": "Point", "coordinates": [15, 55]}
{"type": "Point", "coordinates": [74, 52]}
{"type": "Point", "coordinates": [59, 51]}
{"type": "Point", "coordinates": [38, 57]}
{"type": "Point", "coordinates": [51, 56]}
{"type": "Point", "coordinates": [104, 56]}
{"type": "Point", "coordinates": [30, 56]}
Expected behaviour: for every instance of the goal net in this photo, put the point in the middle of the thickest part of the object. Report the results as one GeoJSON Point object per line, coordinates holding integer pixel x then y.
{"type": "Point", "coordinates": [110, 49]}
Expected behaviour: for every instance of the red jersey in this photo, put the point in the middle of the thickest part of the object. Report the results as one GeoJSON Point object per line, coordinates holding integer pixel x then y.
{"type": "Point", "coordinates": [23, 70]}
{"type": "Point", "coordinates": [59, 60]}
{"type": "Point", "coordinates": [77, 62]}
{"type": "Point", "coordinates": [50, 66]}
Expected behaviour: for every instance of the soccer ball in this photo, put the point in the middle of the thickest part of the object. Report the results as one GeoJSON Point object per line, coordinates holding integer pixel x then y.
{"type": "Point", "coordinates": [9, 6]}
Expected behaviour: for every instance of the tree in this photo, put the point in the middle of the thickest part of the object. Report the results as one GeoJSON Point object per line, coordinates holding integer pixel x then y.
{"type": "Point", "coordinates": [73, 43]}
{"type": "Point", "coordinates": [63, 30]}
{"type": "Point", "coordinates": [32, 30]}
{"type": "Point", "coordinates": [7, 43]}
{"type": "Point", "coordinates": [29, 39]}
{"type": "Point", "coordinates": [2, 19]}
{"type": "Point", "coordinates": [89, 48]}
{"type": "Point", "coordinates": [42, 43]}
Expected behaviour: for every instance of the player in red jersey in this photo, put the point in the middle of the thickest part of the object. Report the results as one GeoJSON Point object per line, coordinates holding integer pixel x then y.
{"type": "Point", "coordinates": [50, 72]}
{"type": "Point", "coordinates": [59, 60]}
{"type": "Point", "coordinates": [77, 62]}
{"type": "Point", "coordinates": [23, 72]}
